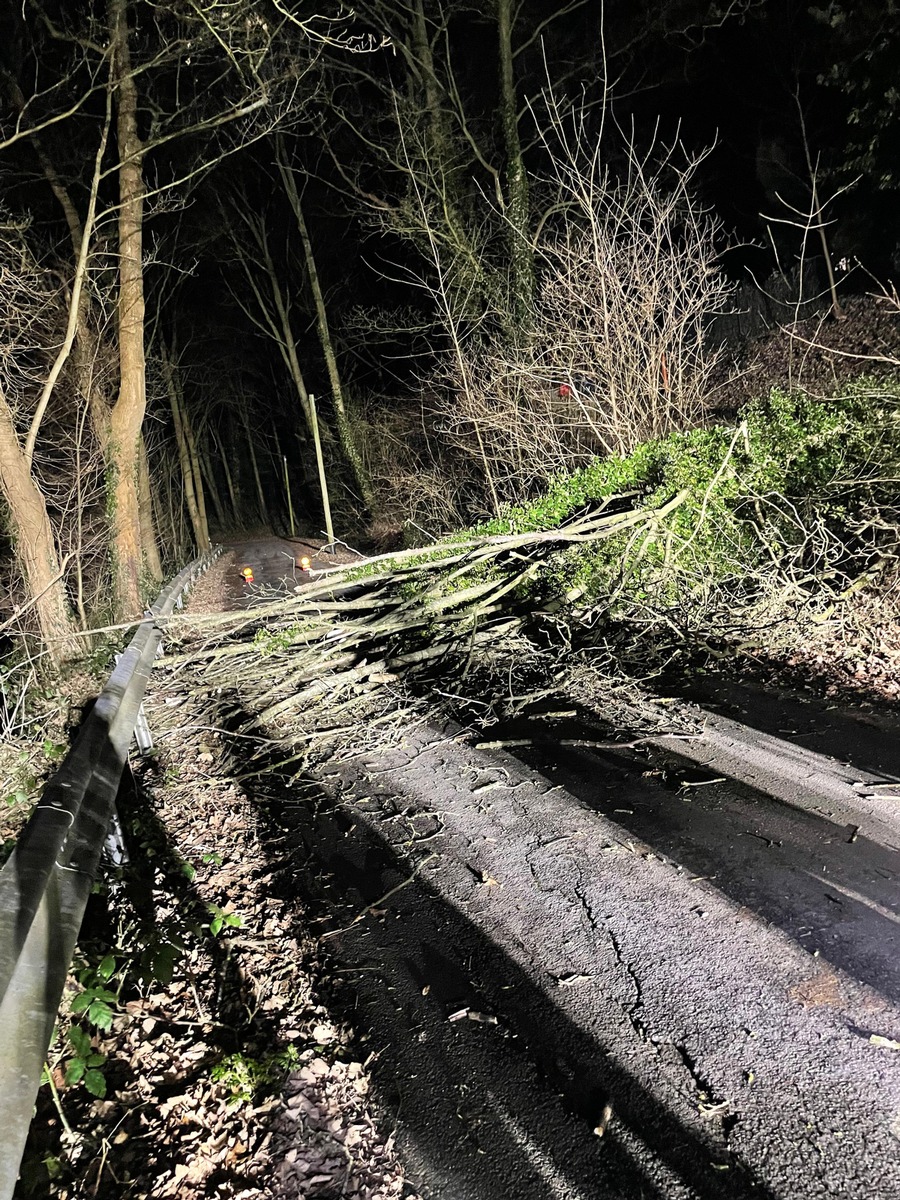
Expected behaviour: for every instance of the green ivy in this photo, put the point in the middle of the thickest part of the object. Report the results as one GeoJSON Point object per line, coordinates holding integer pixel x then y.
{"type": "Point", "coordinates": [753, 490]}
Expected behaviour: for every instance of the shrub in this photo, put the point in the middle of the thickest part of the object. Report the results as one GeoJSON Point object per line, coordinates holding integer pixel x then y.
{"type": "Point", "coordinates": [797, 498]}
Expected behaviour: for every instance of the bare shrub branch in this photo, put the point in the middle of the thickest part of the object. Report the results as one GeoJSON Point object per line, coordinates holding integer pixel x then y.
{"type": "Point", "coordinates": [618, 350]}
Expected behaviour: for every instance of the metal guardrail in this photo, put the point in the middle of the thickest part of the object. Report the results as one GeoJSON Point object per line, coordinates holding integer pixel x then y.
{"type": "Point", "coordinates": [45, 884]}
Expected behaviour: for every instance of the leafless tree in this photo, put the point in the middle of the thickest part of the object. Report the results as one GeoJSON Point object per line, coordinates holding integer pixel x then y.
{"type": "Point", "coordinates": [627, 281]}
{"type": "Point", "coordinates": [211, 78]}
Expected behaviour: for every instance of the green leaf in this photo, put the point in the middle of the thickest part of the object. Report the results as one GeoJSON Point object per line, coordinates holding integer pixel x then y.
{"type": "Point", "coordinates": [80, 1041]}
{"type": "Point", "coordinates": [215, 925]}
{"type": "Point", "coordinates": [75, 1070]}
{"type": "Point", "coordinates": [107, 968]}
{"type": "Point", "coordinates": [81, 1002]}
{"type": "Point", "coordinates": [53, 1166]}
{"type": "Point", "coordinates": [95, 1060]}
{"type": "Point", "coordinates": [164, 960]}
{"type": "Point", "coordinates": [95, 1083]}
{"type": "Point", "coordinates": [101, 1014]}
{"type": "Point", "coordinates": [233, 920]}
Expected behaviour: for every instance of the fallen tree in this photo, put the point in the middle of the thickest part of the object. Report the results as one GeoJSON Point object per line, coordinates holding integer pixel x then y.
{"type": "Point", "coordinates": [355, 629]}
{"type": "Point", "coordinates": [713, 542]}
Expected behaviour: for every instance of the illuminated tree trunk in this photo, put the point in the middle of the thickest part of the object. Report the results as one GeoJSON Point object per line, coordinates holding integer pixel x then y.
{"type": "Point", "coordinates": [194, 459]}
{"type": "Point", "coordinates": [35, 545]}
{"type": "Point", "coordinates": [127, 414]}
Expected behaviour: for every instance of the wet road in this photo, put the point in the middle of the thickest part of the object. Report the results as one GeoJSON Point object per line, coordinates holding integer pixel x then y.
{"type": "Point", "coordinates": [275, 567]}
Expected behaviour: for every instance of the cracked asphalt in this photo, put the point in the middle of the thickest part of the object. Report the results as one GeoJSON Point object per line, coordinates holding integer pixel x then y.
{"type": "Point", "coordinates": [654, 972]}
{"type": "Point", "coordinates": [583, 978]}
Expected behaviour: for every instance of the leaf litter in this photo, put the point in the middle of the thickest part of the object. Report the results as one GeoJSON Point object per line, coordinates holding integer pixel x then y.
{"type": "Point", "coordinates": [230, 1080]}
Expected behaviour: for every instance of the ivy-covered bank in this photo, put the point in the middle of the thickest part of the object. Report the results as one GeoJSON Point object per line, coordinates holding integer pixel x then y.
{"type": "Point", "coordinates": [797, 500]}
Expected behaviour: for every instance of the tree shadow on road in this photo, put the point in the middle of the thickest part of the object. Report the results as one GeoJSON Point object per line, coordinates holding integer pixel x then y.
{"type": "Point", "coordinates": [503, 1101]}
{"type": "Point", "coordinates": [823, 883]}
{"type": "Point", "coordinates": [838, 726]}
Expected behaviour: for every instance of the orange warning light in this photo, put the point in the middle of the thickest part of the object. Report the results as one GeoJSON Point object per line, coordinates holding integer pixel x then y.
{"type": "Point", "coordinates": [304, 564]}
{"type": "Point", "coordinates": [247, 573]}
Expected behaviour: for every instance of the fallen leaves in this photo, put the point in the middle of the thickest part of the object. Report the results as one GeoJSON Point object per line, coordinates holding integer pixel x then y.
{"type": "Point", "coordinates": [885, 1042]}
{"type": "Point", "coordinates": [172, 1126]}
{"type": "Point", "coordinates": [823, 988]}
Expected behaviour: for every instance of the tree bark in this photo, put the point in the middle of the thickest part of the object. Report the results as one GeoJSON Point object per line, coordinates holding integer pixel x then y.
{"type": "Point", "coordinates": [229, 478]}
{"type": "Point", "coordinates": [212, 487]}
{"type": "Point", "coordinates": [35, 545]}
{"type": "Point", "coordinates": [148, 524]}
{"type": "Point", "coordinates": [194, 460]}
{"type": "Point", "coordinates": [127, 414]}
{"type": "Point", "coordinates": [517, 209]}
{"type": "Point", "coordinates": [88, 348]}
{"type": "Point", "coordinates": [263, 507]}
{"type": "Point", "coordinates": [346, 434]}
{"type": "Point", "coordinates": [201, 534]}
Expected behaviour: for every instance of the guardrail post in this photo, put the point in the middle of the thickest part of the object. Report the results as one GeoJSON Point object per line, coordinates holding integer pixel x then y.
{"type": "Point", "coordinates": [142, 735]}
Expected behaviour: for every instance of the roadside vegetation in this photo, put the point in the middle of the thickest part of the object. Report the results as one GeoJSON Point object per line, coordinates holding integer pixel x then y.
{"type": "Point", "coordinates": [793, 505]}
{"type": "Point", "coordinates": [732, 538]}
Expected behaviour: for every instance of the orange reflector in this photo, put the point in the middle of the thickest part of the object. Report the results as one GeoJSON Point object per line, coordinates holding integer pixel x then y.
{"type": "Point", "coordinates": [304, 563]}
{"type": "Point", "coordinates": [247, 573]}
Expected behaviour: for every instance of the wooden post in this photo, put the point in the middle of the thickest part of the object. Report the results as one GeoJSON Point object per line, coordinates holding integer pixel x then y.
{"type": "Point", "coordinates": [323, 482]}
{"type": "Point", "coordinates": [287, 488]}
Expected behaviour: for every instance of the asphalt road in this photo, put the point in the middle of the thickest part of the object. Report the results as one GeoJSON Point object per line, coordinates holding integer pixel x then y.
{"type": "Point", "coordinates": [274, 564]}
{"type": "Point", "coordinates": [594, 981]}
{"type": "Point", "coordinates": [651, 973]}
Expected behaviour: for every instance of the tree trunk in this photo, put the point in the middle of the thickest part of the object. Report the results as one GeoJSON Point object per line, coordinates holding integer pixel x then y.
{"type": "Point", "coordinates": [194, 459]}
{"type": "Point", "coordinates": [212, 488]}
{"type": "Point", "coordinates": [346, 434]}
{"type": "Point", "coordinates": [127, 414]}
{"type": "Point", "coordinates": [87, 346]}
{"type": "Point", "coordinates": [517, 209]}
{"type": "Point", "coordinates": [201, 537]}
{"type": "Point", "coordinates": [148, 524]}
{"type": "Point", "coordinates": [470, 287]}
{"type": "Point", "coordinates": [263, 507]}
{"type": "Point", "coordinates": [229, 479]}
{"type": "Point", "coordinates": [35, 545]}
